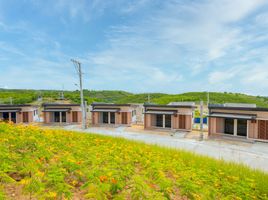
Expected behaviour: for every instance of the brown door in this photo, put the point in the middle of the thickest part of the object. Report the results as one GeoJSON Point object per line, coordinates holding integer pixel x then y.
{"type": "Point", "coordinates": [124, 117]}
{"type": "Point", "coordinates": [75, 116]}
{"type": "Point", "coordinates": [182, 121]}
{"type": "Point", "coordinates": [263, 130]}
{"type": "Point", "coordinates": [25, 117]}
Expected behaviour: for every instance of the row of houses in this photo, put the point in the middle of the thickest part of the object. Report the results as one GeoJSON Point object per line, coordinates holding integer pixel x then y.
{"type": "Point", "coordinates": [237, 120]}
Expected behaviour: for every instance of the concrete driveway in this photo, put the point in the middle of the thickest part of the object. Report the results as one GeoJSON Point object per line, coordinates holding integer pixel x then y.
{"type": "Point", "coordinates": [254, 155]}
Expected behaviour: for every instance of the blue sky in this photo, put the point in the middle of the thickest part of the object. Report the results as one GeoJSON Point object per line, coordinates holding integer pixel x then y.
{"type": "Point", "coordinates": [170, 46]}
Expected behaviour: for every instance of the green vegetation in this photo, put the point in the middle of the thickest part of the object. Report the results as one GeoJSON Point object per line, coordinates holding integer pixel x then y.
{"type": "Point", "coordinates": [28, 96]}
{"type": "Point", "coordinates": [56, 164]}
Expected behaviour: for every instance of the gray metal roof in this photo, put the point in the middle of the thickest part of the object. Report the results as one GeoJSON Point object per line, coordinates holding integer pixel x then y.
{"type": "Point", "coordinates": [232, 116]}
{"type": "Point", "coordinates": [60, 104]}
{"type": "Point", "coordinates": [182, 103]}
{"type": "Point", "coordinates": [109, 104]}
{"type": "Point", "coordinates": [226, 107]}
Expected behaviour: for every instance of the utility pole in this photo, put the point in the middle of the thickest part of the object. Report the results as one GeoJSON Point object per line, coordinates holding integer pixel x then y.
{"type": "Point", "coordinates": [77, 65]}
{"type": "Point", "coordinates": [201, 137]}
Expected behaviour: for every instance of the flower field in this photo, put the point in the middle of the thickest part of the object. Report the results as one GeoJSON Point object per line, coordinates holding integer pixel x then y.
{"type": "Point", "coordinates": [56, 164]}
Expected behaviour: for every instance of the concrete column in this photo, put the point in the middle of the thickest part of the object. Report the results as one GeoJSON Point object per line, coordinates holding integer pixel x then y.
{"type": "Point", "coordinates": [60, 117]}
{"type": "Point", "coordinates": [164, 121]}
{"type": "Point", "coordinates": [109, 117]}
{"type": "Point", "coordinates": [9, 116]}
{"type": "Point", "coordinates": [248, 128]}
{"type": "Point", "coordinates": [235, 127]}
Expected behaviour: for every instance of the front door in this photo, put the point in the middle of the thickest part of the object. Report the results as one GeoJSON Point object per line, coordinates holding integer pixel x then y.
{"type": "Point", "coordinates": [124, 118]}
{"type": "Point", "coordinates": [13, 117]}
{"type": "Point", "coordinates": [263, 129]}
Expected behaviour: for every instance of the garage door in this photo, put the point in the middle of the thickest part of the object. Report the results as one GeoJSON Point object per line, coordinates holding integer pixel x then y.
{"type": "Point", "coordinates": [263, 130]}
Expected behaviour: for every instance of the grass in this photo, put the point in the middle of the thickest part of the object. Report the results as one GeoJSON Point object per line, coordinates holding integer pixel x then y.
{"type": "Point", "coordinates": [57, 164]}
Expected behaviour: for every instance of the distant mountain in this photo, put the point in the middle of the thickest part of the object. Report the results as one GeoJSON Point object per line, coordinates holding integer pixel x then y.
{"type": "Point", "coordinates": [114, 96]}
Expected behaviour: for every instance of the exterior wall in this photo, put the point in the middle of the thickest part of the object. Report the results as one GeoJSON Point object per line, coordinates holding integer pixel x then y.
{"type": "Point", "coordinates": [19, 117]}
{"type": "Point", "coordinates": [79, 117]}
{"type": "Point", "coordinates": [212, 126]}
{"type": "Point", "coordinates": [253, 130]}
{"type": "Point", "coordinates": [220, 125]}
{"type": "Point", "coordinates": [188, 122]}
{"type": "Point", "coordinates": [118, 118]}
{"type": "Point", "coordinates": [147, 121]}
{"type": "Point", "coordinates": [95, 118]}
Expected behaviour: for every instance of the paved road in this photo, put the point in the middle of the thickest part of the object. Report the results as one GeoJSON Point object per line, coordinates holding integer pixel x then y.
{"type": "Point", "coordinates": [255, 155]}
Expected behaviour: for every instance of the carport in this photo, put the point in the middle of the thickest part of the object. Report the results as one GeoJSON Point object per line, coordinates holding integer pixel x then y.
{"type": "Point", "coordinates": [232, 124]}
{"type": "Point", "coordinates": [161, 119]}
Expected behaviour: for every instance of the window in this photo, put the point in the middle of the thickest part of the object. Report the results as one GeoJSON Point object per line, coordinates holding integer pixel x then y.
{"type": "Point", "coordinates": [159, 120]}
{"type": "Point", "coordinates": [105, 117]}
{"type": "Point", "coordinates": [56, 116]}
{"type": "Point", "coordinates": [5, 116]}
{"type": "Point", "coordinates": [13, 117]}
{"type": "Point", "coordinates": [112, 117]}
{"type": "Point", "coordinates": [242, 127]}
{"type": "Point", "coordinates": [229, 126]}
{"type": "Point", "coordinates": [63, 117]}
{"type": "Point", "coordinates": [167, 121]}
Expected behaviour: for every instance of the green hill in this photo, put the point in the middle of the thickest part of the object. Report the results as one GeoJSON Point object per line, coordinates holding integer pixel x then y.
{"type": "Point", "coordinates": [29, 96]}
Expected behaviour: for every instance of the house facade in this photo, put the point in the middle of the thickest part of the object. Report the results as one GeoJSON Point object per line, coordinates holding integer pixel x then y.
{"type": "Point", "coordinates": [19, 113]}
{"type": "Point", "coordinates": [113, 114]}
{"type": "Point", "coordinates": [174, 116]}
{"type": "Point", "coordinates": [239, 120]}
{"type": "Point", "coordinates": [62, 113]}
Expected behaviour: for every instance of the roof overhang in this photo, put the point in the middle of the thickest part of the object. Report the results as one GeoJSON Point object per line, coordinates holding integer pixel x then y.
{"type": "Point", "coordinates": [9, 110]}
{"type": "Point", "coordinates": [232, 116]}
{"type": "Point", "coordinates": [106, 110]}
{"type": "Point", "coordinates": [57, 110]}
{"type": "Point", "coordinates": [161, 112]}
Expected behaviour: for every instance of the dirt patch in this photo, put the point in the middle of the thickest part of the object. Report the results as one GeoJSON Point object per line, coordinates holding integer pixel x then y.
{"type": "Point", "coordinates": [14, 191]}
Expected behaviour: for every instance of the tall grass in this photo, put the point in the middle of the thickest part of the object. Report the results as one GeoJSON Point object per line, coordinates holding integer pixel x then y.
{"type": "Point", "coordinates": [56, 164]}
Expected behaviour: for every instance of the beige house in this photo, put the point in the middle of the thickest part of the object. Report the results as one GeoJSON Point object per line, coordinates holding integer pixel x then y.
{"type": "Point", "coordinates": [61, 113]}
{"type": "Point", "coordinates": [239, 120]}
{"type": "Point", "coordinates": [113, 114]}
{"type": "Point", "coordinates": [19, 113]}
{"type": "Point", "coordinates": [174, 116]}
